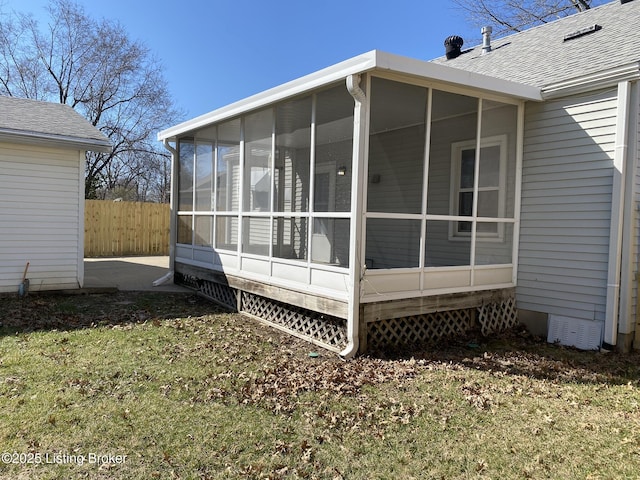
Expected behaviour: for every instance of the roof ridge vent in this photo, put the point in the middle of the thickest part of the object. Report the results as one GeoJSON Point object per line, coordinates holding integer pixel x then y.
{"type": "Point", "coordinates": [582, 32]}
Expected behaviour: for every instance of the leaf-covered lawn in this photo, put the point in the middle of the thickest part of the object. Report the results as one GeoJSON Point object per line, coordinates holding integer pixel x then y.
{"type": "Point", "coordinates": [167, 386]}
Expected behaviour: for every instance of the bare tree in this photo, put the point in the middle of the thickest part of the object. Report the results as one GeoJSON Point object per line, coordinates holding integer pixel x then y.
{"type": "Point", "coordinates": [509, 16]}
{"type": "Point", "coordinates": [93, 66]}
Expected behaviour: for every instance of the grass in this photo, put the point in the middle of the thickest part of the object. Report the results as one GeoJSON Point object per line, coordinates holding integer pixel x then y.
{"type": "Point", "coordinates": [177, 389]}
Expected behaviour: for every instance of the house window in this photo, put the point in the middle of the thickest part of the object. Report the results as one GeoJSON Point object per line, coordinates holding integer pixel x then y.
{"type": "Point", "coordinates": [488, 191]}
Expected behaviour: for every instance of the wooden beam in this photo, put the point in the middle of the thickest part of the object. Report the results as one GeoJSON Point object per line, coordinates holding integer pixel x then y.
{"type": "Point", "coordinates": [436, 303]}
{"type": "Point", "coordinates": [309, 301]}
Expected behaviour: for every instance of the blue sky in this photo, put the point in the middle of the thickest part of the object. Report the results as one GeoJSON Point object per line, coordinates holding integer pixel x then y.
{"type": "Point", "coordinates": [218, 51]}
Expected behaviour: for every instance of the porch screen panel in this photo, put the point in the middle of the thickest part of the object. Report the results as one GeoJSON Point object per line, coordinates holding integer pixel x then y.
{"type": "Point", "coordinates": [227, 185]}
{"type": "Point", "coordinates": [203, 231]}
{"type": "Point", "coordinates": [497, 250]}
{"type": "Point", "coordinates": [290, 238]}
{"type": "Point", "coordinates": [334, 149]}
{"type": "Point", "coordinates": [226, 233]}
{"type": "Point", "coordinates": [186, 150]}
{"type": "Point", "coordinates": [185, 229]}
{"type": "Point", "coordinates": [441, 250]}
{"type": "Point", "coordinates": [255, 235]}
{"type": "Point", "coordinates": [498, 160]}
{"type": "Point", "coordinates": [392, 243]}
{"type": "Point", "coordinates": [454, 118]}
{"type": "Point", "coordinates": [396, 147]}
{"type": "Point", "coordinates": [293, 152]}
{"type": "Point", "coordinates": [257, 161]}
{"type": "Point", "coordinates": [205, 144]}
{"type": "Point", "coordinates": [330, 241]}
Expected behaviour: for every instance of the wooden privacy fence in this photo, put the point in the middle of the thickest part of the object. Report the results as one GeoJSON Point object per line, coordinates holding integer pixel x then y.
{"type": "Point", "coordinates": [114, 229]}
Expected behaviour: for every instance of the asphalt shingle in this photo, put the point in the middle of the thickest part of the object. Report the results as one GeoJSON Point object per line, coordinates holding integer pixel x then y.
{"type": "Point", "coordinates": [540, 56]}
{"type": "Point", "coordinates": [33, 117]}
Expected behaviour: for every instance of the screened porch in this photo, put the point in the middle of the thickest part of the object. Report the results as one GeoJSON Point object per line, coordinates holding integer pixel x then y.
{"type": "Point", "coordinates": [378, 189]}
{"type": "Point", "coordinates": [269, 194]}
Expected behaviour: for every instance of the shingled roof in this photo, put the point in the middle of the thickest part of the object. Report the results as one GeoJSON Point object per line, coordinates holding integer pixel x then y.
{"type": "Point", "coordinates": [32, 121]}
{"type": "Point", "coordinates": [607, 40]}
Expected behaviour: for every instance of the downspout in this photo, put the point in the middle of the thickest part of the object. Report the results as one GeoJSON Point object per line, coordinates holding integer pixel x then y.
{"type": "Point", "coordinates": [617, 213]}
{"type": "Point", "coordinates": [515, 252]}
{"type": "Point", "coordinates": [355, 230]}
{"type": "Point", "coordinates": [168, 277]}
{"type": "Point", "coordinates": [627, 322]}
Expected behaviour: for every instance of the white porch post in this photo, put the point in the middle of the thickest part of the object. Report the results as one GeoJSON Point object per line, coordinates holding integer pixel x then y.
{"type": "Point", "coordinates": [173, 206]}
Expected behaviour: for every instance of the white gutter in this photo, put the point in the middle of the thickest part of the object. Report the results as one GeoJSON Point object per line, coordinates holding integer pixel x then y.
{"type": "Point", "coordinates": [594, 81]}
{"type": "Point", "coordinates": [355, 230]}
{"type": "Point", "coordinates": [64, 141]}
{"type": "Point", "coordinates": [334, 73]}
{"type": "Point", "coordinates": [168, 277]}
{"type": "Point", "coordinates": [617, 213]}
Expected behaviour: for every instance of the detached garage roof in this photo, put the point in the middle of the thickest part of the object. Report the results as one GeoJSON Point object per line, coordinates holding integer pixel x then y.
{"type": "Point", "coordinates": [45, 123]}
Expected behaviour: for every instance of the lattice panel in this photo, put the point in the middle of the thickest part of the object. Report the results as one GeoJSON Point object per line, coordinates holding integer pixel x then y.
{"type": "Point", "coordinates": [217, 292]}
{"type": "Point", "coordinates": [222, 294]}
{"type": "Point", "coordinates": [187, 280]}
{"type": "Point", "coordinates": [496, 317]}
{"type": "Point", "coordinates": [418, 328]}
{"type": "Point", "coordinates": [325, 329]}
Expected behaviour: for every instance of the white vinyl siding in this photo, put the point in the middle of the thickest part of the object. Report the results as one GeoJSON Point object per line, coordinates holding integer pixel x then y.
{"type": "Point", "coordinates": [566, 204]}
{"type": "Point", "coordinates": [40, 217]}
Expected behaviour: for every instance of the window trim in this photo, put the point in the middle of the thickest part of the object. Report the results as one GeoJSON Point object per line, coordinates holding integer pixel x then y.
{"type": "Point", "coordinates": [454, 192]}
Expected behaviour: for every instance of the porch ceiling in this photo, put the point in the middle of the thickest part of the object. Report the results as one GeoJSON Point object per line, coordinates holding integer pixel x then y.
{"type": "Point", "coordinates": [367, 62]}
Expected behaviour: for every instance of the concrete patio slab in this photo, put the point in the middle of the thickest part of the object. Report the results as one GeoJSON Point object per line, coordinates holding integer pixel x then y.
{"type": "Point", "coordinates": [128, 274]}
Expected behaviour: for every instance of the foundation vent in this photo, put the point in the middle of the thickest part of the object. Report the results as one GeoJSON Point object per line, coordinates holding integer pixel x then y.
{"type": "Point", "coordinates": [574, 332]}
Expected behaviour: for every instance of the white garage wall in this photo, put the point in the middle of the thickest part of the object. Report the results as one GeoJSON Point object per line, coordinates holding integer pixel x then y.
{"type": "Point", "coordinates": [41, 217]}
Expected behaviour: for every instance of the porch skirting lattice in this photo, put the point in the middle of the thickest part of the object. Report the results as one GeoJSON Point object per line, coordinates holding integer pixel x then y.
{"type": "Point", "coordinates": [496, 315]}
{"type": "Point", "coordinates": [489, 312]}
{"type": "Point", "coordinates": [324, 330]}
{"type": "Point", "coordinates": [416, 329]}
{"type": "Point", "coordinates": [221, 294]}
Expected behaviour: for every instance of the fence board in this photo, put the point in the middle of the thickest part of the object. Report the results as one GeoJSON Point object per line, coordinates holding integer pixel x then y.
{"type": "Point", "coordinates": [125, 228]}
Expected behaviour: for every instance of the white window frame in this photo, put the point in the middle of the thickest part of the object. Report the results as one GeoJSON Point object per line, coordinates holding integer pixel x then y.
{"type": "Point", "coordinates": [456, 170]}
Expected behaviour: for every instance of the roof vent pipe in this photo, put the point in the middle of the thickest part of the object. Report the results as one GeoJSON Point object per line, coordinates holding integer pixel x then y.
{"type": "Point", "coordinates": [453, 45]}
{"type": "Point", "coordinates": [486, 39]}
